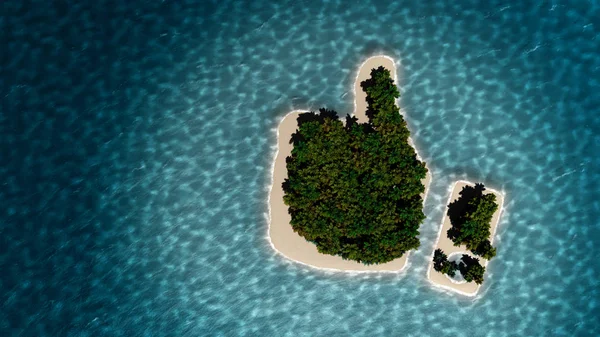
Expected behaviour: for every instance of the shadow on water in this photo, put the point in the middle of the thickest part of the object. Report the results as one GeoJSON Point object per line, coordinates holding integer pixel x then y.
{"type": "Point", "coordinates": [373, 47]}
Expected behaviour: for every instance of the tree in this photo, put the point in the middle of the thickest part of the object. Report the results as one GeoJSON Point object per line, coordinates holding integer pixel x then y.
{"type": "Point", "coordinates": [471, 269]}
{"type": "Point", "coordinates": [354, 189]}
{"type": "Point", "coordinates": [470, 216]}
{"type": "Point", "coordinates": [442, 265]}
{"type": "Point", "coordinates": [485, 250]}
{"type": "Point", "coordinates": [439, 257]}
{"type": "Point", "coordinates": [472, 233]}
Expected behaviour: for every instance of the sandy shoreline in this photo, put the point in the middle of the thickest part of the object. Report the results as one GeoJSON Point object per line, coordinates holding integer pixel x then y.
{"type": "Point", "coordinates": [281, 235]}
{"type": "Point", "coordinates": [443, 242]}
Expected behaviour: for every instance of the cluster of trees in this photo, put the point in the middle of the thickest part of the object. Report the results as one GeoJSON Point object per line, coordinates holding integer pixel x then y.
{"type": "Point", "coordinates": [354, 189]}
{"type": "Point", "coordinates": [470, 216]}
{"type": "Point", "coordinates": [469, 267]}
{"type": "Point", "coordinates": [441, 263]}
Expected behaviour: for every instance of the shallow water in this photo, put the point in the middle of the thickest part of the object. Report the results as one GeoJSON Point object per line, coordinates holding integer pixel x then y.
{"type": "Point", "coordinates": [137, 140]}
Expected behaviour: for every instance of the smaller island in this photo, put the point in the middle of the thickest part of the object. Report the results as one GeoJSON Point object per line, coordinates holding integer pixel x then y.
{"type": "Point", "coordinates": [464, 245]}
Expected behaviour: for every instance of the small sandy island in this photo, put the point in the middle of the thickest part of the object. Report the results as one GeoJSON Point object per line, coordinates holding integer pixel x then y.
{"type": "Point", "coordinates": [281, 235]}
{"type": "Point", "coordinates": [444, 243]}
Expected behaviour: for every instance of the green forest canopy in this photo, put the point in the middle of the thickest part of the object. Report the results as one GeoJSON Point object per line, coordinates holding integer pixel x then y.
{"type": "Point", "coordinates": [470, 216]}
{"type": "Point", "coordinates": [354, 189]}
{"type": "Point", "coordinates": [442, 265]}
{"type": "Point", "coordinates": [469, 267]}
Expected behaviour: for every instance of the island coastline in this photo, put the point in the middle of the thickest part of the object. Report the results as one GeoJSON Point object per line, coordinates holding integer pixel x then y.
{"type": "Point", "coordinates": [281, 236]}
{"type": "Point", "coordinates": [442, 281]}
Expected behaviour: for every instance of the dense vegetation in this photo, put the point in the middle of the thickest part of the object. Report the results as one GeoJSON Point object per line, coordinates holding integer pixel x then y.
{"type": "Point", "coordinates": [469, 267]}
{"type": "Point", "coordinates": [471, 270]}
{"type": "Point", "coordinates": [354, 189]}
{"type": "Point", "coordinates": [470, 216]}
{"type": "Point", "coordinates": [441, 263]}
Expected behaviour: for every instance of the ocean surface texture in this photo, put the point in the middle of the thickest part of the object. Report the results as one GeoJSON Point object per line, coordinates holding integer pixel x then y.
{"type": "Point", "coordinates": [137, 138]}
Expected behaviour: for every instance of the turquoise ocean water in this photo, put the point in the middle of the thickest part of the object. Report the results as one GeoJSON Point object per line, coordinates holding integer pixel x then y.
{"type": "Point", "coordinates": [136, 142]}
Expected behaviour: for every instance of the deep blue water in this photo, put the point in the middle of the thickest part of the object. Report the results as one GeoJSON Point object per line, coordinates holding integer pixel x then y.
{"type": "Point", "coordinates": [136, 141]}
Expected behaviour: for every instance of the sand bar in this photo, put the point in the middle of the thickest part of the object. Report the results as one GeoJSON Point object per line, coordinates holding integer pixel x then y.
{"type": "Point", "coordinates": [281, 235]}
{"type": "Point", "coordinates": [444, 243]}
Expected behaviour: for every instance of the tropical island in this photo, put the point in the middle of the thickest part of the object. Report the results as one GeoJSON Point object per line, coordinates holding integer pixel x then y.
{"type": "Point", "coordinates": [348, 195]}
{"type": "Point", "coordinates": [464, 245]}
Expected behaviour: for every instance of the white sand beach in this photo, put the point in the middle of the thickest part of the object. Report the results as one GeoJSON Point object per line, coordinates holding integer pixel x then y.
{"type": "Point", "coordinates": [445, 244]}
{"type": "Point", "coordinates": [281, 235]}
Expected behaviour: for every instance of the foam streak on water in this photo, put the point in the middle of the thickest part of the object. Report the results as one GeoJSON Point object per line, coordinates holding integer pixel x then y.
{"type": "Point", "coordinates": [136, 140]}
